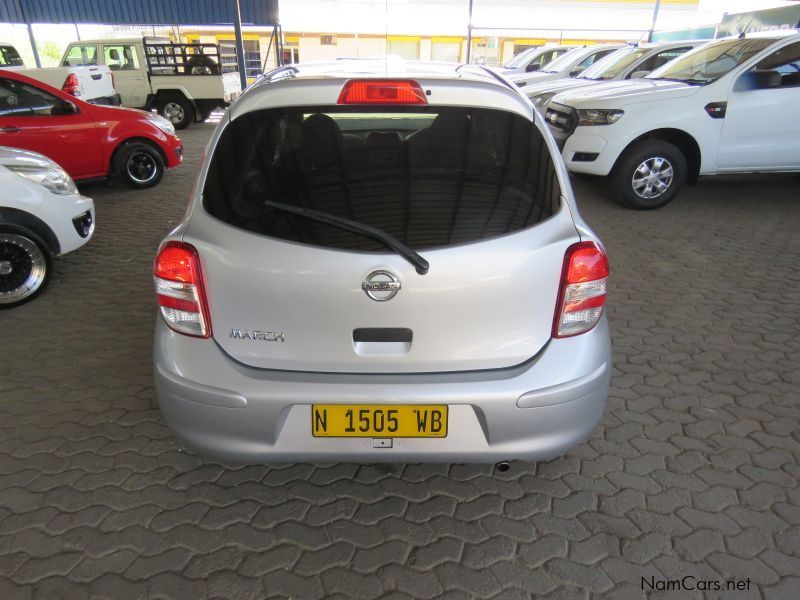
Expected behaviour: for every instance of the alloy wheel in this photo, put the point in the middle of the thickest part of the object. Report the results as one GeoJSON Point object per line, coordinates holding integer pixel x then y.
{"type": "Point", "coordinates": [141, 167]}
{"type": "Point", "coordinates": [174, 112]}
{"type": "Point", "coordinates": [652, 177]}
{"type": "Point", "coordinates": [23, 268]}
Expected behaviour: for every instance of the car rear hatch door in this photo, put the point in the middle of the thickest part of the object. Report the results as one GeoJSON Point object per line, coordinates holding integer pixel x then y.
{"type": "Point", "coordinates": [483, 208]}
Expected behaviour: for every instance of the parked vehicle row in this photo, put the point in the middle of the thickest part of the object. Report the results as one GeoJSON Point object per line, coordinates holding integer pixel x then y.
{"type": "Point", "coordinates": [570, 64]}
{"type": "Point", "coordinates": [89, 141]}
{"type": "Point", "coordinates": [42, 216]}
{"type": "Point", "coordinates": [628, 62]}
{"type": "Point", "coordinates": [92, 83]}
{"type": "Point", "coordinates": [49, 139]}
{"type": "Point", "coordinates": [533, 59]}
{"type": "Point", "coordinates": [183, 82]}
{"type": "Point", "coordinates": [729, 106]}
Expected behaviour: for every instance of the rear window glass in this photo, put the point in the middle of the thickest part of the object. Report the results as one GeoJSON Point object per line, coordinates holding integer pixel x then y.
{"type": "Point", "coordinates": [431, 177]}
{"type": "Point", "coordinates": [9, 57]}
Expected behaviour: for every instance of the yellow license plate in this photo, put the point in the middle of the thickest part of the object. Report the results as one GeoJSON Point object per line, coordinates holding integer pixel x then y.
{"type": "Point", "coordinates": [378, 420]}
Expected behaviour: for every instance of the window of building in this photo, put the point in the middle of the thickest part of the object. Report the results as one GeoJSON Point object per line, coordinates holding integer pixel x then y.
{"type": "Point", "coordinates": [406, 48]}
{"type": "Point", "coordinates": [252, 59]}
{"type": "Point", "coordinates": [446, 50]}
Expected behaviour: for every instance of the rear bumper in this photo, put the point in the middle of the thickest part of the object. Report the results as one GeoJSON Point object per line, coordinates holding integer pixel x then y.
{"type": "Point", "coordinates": [531, 412]}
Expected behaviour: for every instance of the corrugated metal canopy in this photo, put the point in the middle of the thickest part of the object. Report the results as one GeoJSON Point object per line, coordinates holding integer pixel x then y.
{"type": "Point", "coordinates": [138, 12]}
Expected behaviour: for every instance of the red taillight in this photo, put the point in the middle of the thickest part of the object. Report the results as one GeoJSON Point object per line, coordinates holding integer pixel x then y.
{"type": "Point", "coordinates": [382, 91]}
{"type": "Point", "coordinates": [180, 290]}
{"type": "Point", "coordinates": [582, 294]}
{"type": "Point", "coordinates": [71, 85]}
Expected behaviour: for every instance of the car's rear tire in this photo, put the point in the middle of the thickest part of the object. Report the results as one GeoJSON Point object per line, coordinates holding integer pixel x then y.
{"type": "Point", "coordinates": [177, 110]}
{"type": "Point", "coordinates": [649, 175]}
{"type": "Point", "coordinates": [139, 165]}
{"type": "Point", "coordinates": [25, 266]}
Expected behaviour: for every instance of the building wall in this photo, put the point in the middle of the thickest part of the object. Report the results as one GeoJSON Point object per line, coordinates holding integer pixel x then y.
{"type": "Point", "coordinates": [311, 48]}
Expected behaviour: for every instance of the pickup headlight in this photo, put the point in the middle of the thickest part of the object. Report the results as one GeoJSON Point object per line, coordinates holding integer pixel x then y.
{"type": "Point", "coordinates": [162, 123]}
{"type": "Point", "coordinates": [591, 116]}
{"type": "Point", "coordinates": [542, 99]}
{"type": "Point", "coordinates": [54, 179]}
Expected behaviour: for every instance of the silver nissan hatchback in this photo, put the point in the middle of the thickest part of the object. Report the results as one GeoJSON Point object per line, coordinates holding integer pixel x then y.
{"type": "Point", "coordinates": [382, 261]}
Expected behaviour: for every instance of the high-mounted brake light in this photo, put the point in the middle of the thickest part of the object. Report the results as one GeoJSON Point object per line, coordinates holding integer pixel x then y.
{"type": "Point", "coordinates": [180, 291]}
{"type": "Point", "coordinates": [71, 85]}
{"type": "Point", "coordinates": [382, 91]}
{"type": "Point", "coordinates": [582, 294]}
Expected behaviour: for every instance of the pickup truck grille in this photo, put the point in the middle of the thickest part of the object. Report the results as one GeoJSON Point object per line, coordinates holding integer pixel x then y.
{"type": "Point", "coordinates": [561, 118]}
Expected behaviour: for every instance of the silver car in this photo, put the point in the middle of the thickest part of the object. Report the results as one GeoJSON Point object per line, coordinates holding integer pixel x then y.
{"type": "Point", "coordinates": [382, 262]}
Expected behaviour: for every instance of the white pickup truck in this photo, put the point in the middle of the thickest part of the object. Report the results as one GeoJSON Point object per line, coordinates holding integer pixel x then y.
{"type": "Point", "coordinates": [729, 106]}
{"type": "Point", "coordinates": [183, 82]}
{"type": "Point", "coordinates": [90, 83]}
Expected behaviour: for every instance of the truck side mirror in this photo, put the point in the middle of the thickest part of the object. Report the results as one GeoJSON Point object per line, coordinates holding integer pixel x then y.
{"type": "Point", "coordinates": [758, 79]}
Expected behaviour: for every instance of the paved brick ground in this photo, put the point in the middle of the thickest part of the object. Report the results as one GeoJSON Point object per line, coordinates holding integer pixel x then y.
{"type": "Point", "coordinates": [694, 469]}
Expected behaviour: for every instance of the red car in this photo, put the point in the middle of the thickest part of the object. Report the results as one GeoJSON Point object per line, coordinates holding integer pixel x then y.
{"type": "Point", "coordinates": [87, 140]}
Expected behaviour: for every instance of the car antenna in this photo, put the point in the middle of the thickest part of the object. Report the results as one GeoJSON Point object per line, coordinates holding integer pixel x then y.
{"type": "Point", "coordinates": [743, 34]}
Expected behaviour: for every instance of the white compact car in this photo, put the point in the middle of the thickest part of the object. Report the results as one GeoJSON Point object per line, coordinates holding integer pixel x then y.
{"type": "Point", "coordinates": [729, 106]}
{"type": "Point", "coordinates": [569, 64]}
{"type": "Point", "coordinates": [41, 215]}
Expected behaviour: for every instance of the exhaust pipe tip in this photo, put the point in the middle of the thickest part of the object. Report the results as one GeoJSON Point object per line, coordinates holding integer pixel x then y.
{"type": "Point", "coordinates": [502, 467]}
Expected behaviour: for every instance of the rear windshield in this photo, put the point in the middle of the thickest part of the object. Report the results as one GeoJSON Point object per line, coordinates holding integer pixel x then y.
{"type": "Point", "coordinates": [431, 177]}
{"type": "Point", "coordinates": [9, 57]}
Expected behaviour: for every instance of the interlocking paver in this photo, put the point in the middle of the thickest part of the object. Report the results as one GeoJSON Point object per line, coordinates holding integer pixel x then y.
{"type": "Point", "coordinates": [224, 559]}
{"type": "Point", "coordinates": [444, 550]}
{"type": "Point", "coordinates": [695, 467]}
{"type": "Point", "coordinates": [370, 560]}
{"type": "Point", "coordinates": [415, 583]}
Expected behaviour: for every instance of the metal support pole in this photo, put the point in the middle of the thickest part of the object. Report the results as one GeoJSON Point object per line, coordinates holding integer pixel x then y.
{"type": "Point", "coordinates": [33, 47]}
{"type": "Point", "coordinates": [237, 28]}
{"type": "Point", "coordinates": [30, 35]}
{"type": "Point", "coordinates": [655, 18]}
{"type": "Point", "coordinates": [279, 45]}
{"type": "Point", "coordinates": [469, 33]}
{"type": "Point", "coordinates": [269, 47]}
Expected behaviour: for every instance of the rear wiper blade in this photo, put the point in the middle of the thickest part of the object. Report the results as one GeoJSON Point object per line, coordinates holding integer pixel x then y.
{"type": "Point", "coordinates": [420, 264]}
